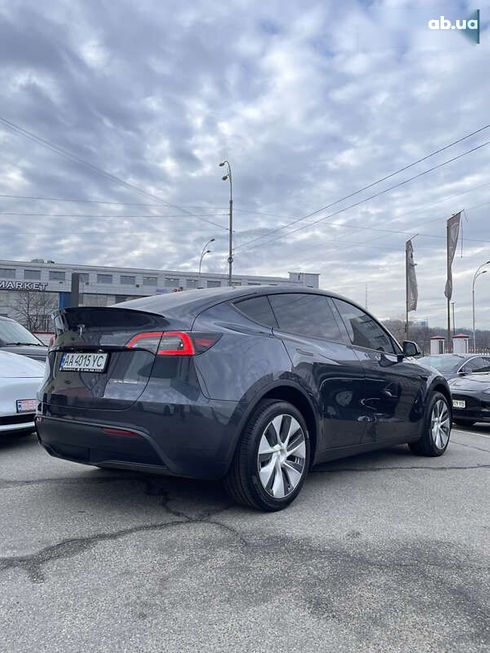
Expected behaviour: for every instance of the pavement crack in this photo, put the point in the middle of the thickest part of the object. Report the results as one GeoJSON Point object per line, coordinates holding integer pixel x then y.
{"type": "Point", "coordinates": [33, 564]}
{"type": "Point", "coordinates": [470, 446]}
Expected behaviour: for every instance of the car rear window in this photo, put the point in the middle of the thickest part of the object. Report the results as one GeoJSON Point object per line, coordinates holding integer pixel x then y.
{"type": "Point", "coordinates": [259, 310]}
{"type": "Point", "coordinates": [306, 315]}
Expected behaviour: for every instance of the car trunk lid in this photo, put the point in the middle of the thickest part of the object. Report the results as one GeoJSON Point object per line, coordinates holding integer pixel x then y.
{"type": "Point", "coordinates": [101, 335]}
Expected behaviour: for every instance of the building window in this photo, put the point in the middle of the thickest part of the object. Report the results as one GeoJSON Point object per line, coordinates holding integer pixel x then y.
{"type": "Point", "coordinates": [83, 277]}
{"type": "Point", "coordinates": [128, 280]}
{"type": "Point", "coordinates": [191, 283]}
{"type": "Point", "coordinates": [252, 283]}
{"type": "Point", "coordinates": [236, 283]}
{"type": "Point", "coordinates": [32, 275]}
{"type": "Point", "coordinates": [7, 273]}
{"type": "Point", "coordinates": [54, 275]}
{"type": "Point", "coordinates": [149, 281]}
{"type": "Point", "coordinates": [212, 283]}
{"type": "Point", "coordinates": [104, 278]}
{"type": "Point", "coordinates": [171, 282]}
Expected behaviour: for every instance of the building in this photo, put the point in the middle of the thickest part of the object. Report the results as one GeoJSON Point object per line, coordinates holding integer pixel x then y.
{"type": "Point", "coordinates": [31, 290]}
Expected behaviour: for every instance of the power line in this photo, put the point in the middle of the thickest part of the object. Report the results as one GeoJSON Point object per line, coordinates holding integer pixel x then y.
{"type": "Point", "coordinates": [107, 215]}
{"type": "Point", "coordinates": [87, 201]}
{"type": "Point", "coordinates": [378, 194]}
{"type": "Point", "coordinates": [114, 217]}
{"type": "Point", "coordinates": [374, 183]}
{"type": "Point", "coordinates": [353, 244]}
{"type": "Point", "coordinates": [96, 169]}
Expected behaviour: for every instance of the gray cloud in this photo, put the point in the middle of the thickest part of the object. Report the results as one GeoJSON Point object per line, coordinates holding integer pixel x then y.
{"type": "Point", "coordinates": [309, 101]}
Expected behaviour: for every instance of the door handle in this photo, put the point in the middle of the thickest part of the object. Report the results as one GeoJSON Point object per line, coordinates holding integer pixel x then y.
{"type": "Point", "coordinates": [304, 352]}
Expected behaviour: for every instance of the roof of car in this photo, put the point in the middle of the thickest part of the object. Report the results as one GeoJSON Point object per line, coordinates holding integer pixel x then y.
{"type": "Point", "coordinates": [197, 300]}
{"type": "Point", "coordinates": [455, 355]}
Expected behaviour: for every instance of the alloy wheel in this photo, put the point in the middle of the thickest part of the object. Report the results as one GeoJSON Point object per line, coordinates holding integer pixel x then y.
{"type": "Point", "coordinates": [440, 424]}
{"type": "Point", "coordinates": [281, 456]}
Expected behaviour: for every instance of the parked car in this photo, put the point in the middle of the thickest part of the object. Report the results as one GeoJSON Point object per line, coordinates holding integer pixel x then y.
{"type": "Point", "coordinates": [18, 340]}
{"type": "Point", "coordinates": [471, 398]}
{"type": "Point", "coordinates": [20, 379]}
{"type": "Point", "coordinates": [249, 385]}
{"type": "Point", "coordinates": [454, 365]}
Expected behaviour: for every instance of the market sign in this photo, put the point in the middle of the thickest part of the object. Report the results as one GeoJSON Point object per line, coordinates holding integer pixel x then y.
{"type": "Point", "coordinates": [22, 285]}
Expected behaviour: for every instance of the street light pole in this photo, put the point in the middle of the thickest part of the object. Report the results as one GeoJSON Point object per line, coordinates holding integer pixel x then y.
{"type": "Point", "coordinates": [230, 235]}
{"type": "Point", "coordinates": [204, 251]}
{"type": "Point", "coordinates": [478, 272]}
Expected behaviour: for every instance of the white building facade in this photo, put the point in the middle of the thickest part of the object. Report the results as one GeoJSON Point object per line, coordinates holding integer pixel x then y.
{"type": "Point", "coordinates": [45, 285]}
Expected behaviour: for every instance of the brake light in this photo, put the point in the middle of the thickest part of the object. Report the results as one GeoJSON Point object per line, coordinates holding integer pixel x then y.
{"type": "Point", "coordinates": [174, 343]}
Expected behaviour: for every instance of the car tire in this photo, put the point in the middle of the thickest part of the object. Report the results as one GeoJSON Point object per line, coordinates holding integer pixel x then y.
{"type": "Point", "coordinates": [437, 428]}
{"type": "Point", "coordinates": [464, 422]}
{"type": "Point", "coordinates": [272, 457]}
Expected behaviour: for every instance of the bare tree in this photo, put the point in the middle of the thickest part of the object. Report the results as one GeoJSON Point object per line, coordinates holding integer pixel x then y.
{"type": "Point", "coordinates": [34, 308]}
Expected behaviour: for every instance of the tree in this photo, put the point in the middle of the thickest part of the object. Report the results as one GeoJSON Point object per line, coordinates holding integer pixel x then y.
{"type": "Point", "coordinates": [34, 308]}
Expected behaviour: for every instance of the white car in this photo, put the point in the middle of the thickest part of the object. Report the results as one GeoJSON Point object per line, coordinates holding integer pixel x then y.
{"type": "Point", "coordinates": [20, 379]}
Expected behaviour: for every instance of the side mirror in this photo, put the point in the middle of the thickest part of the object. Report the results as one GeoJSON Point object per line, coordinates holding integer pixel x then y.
{"type": "Point", "coordinates": [410, 348]}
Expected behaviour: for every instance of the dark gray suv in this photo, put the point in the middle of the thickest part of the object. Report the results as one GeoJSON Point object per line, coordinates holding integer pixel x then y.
{"type": "Point", "coordinates": [252, 386]}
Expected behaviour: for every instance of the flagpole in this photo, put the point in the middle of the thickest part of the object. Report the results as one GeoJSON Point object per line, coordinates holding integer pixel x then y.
{"type": "Point", "coordinates": [448, 272]}
{"type": "Point", "coordinates": [406, 290]}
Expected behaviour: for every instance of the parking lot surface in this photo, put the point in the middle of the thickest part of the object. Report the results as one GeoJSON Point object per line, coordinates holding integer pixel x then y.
{"type": "Point", "coordinates": [381, 552]}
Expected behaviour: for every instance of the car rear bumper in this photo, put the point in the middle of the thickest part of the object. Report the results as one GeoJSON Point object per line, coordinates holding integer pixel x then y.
{"type": "Point", "coordinates": [196, 441]}
{"type": "Point", "coordinates": [476, 408]}
{"type": "Point", "coordinates": [14, 423]}
{"type": "Point", "coordinates": [473, 415]}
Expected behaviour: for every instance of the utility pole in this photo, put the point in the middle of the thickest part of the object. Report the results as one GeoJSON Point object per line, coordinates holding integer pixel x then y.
{"type": "Point", "coordinates": [204, 251]}
{"type": "Point", "coordinates": [230, 235]}
{"type": "Point", "coordinates": [478, 272]}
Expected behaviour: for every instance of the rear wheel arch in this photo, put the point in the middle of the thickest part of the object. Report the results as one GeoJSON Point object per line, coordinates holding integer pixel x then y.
{"type": "Point", "coordinates": [296, 397]}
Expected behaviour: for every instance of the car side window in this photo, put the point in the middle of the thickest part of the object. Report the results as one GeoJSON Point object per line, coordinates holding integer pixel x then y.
{"type": "Point", "coordinates": [306, 315]}
{"type": "Point", "coordinates": [476, 365]}
{"type": "Point", "coordinates": [363, 330]}
{"type": "Point", "coordinates": [258, 309]}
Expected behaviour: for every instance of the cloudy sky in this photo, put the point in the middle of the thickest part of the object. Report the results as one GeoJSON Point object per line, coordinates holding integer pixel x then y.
{"type": "Point", "coordinates": [130, 106]}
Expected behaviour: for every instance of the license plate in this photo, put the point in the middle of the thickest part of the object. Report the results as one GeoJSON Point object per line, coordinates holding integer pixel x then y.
{"type": "Point", "coordinates": [83, 362]}
{"type": "Point", "coordinates": [26, 405]}
{"type": "Point", "coordinates": [457, 403]}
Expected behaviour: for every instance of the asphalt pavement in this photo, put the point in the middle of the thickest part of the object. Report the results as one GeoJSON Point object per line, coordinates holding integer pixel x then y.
{"type": "Point", "coordinates": [381, 552]}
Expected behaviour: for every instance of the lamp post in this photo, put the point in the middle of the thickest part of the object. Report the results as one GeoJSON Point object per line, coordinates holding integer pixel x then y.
{"type": "Point", "coordinates": [478, 272]}
{"type": "Point", "coordinates": [230, 239]}
{"type": "Point", "coordinates": [204, 251]}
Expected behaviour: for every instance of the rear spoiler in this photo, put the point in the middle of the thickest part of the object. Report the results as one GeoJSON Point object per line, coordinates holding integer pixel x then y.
{"type": "Point", "coordinates": [78, 318]}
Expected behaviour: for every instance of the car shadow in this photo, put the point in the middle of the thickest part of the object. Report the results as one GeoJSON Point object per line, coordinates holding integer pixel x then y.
{"type": "Point", "coordinates": [17, 440]}
{"type": "Point", "coordinates": [479, 427]}
{"type": "Point", "coordinates": [381, 458]}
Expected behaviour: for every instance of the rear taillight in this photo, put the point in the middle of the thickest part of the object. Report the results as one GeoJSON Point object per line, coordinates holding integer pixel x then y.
{"type": "Point", "coordinates": [174, 343]}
